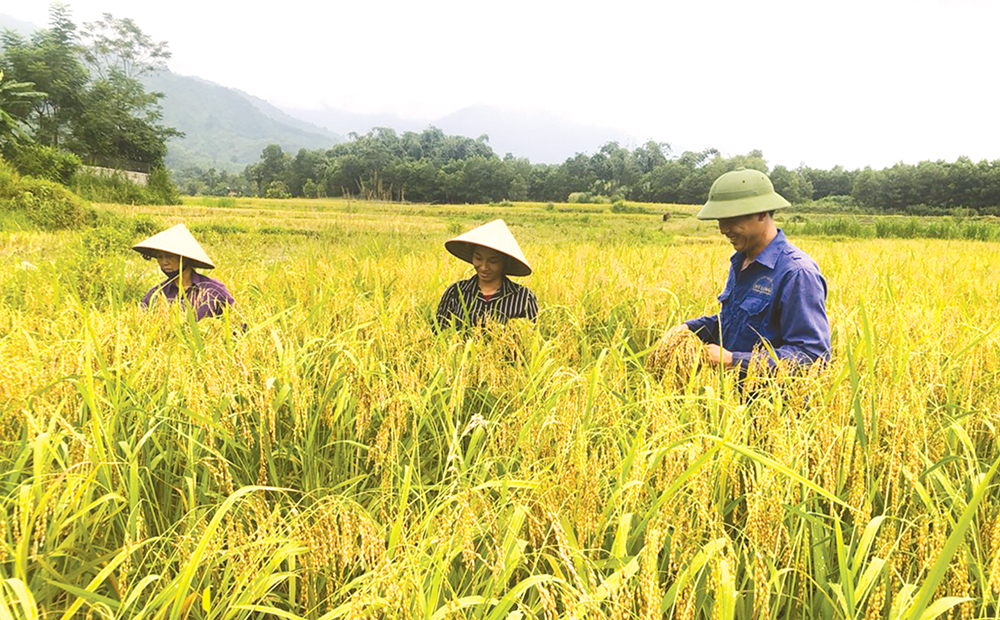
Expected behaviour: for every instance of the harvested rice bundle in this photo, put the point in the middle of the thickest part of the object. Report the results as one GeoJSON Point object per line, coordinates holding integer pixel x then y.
{"type": "Point", "coordinates": [677, 356]}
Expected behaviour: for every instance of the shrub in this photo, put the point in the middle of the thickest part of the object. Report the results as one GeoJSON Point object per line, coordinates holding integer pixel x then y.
{"type": "Point", "coordinates": [116, 188]}
{"type": "Point", "coordinates": [312, 189]}
{"type": "Point", "coordinates": [942, 229]}
{"type": "Point", "coordinates": [45, 162]}
{"type": "Point", "coordinates": [134, 226]}
{"type": "Point", "coordinates": [10, 181]}
{"type": "Point", "coordinates": [619, 206]}
{"type": "Point", "coordinates": [908, 228]}
{"type": "Point", "coordinates": [49, 205]}
{"type": "Point", "coordinates": [108, 188]}
{"type": "Point", "coordinates": [222, 228]}
{"type": "Point", "coordinates": [105, 241]}
{"type": "Point", "coordinates": [277, 189]}
{"type": "Point", "coordinates": [161, 189]}
{"type": "Point", "coordinates": [980, 231]}
{"type": "Point", "coordinates": [218, 202]}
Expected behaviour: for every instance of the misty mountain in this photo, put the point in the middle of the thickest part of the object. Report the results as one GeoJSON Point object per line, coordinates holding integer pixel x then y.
{"type": "Point", "coordinates": [344, 122]}
{"type": "Point", "coordinates": [542, 137]}
{"type": "Point", "coordinates": [23, 28]}
{"type": "Point", "coordinates": [226, 128]}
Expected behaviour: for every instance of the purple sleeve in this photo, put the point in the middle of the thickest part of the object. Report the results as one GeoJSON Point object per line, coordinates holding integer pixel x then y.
{"type": "Point", "coordinates": [805, 329]}
{"type": "Point", "coordinates": [213, 297]}
{"type": "Point", "coordinates": [706, 328]}
{"type": "Point", "coordinates": [149, 296]}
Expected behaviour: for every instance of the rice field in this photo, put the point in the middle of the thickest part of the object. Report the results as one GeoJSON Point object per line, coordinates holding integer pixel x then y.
{"type": "Point", "coordinates": [337, 459]}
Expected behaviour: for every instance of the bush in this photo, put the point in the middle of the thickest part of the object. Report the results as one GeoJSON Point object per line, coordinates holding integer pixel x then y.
{"type": "Point", "coordinates": [105, 241]}
{"type": "Point", "coordinates": [222, 228]}
{"type": "Point", "coordinates": [829, 204]}
{"type": "Point", "coordinates": [113, 188]}
{"type": "Point", "coordinates": [49, 205]}
{"type": "Point", "coordinates": [161, 189]}
{"type": "Point", "coordinates": [619, 206]}
{"type": "Point", "coordinates": [312, 189]}
{"type": "Point", "coordinates": [907, 228]}
{"type": "Point", "coordinates": [980, 231]}
{"type": "Point", "coordinates": [116, 188]}
{"type": "Point", "coordinates": [45, 162]}
{"type": "Point", "coordinates": [10, 181]}
{"type": "Point", "coordinates": [135, 226]}
{"type": "Point", "coordinates": [942, 229]}
{"type": "Point", "coordinates": [277, 189]}
{"type": "Point", "coordinates": [218, 202]}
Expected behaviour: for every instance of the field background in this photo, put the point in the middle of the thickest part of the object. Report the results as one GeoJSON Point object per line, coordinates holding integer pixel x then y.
{"type": "Point", "coordinates": [337, 459]}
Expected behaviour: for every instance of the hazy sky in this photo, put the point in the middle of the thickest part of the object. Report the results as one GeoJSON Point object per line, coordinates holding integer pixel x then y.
{"type": "Point", "coordinates": [835, 82]}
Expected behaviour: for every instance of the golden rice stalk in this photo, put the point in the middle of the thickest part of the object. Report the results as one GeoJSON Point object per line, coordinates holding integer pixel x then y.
{"type": "Point", "coordinates": [678, 355]}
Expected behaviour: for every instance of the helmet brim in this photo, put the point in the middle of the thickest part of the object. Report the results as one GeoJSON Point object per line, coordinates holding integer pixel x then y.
{"type": "Point", "coordinates": [721, 209]}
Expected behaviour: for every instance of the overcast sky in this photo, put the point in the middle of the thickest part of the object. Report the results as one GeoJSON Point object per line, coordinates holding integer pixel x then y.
{"type": "Point", "coordinates": [844, 82]}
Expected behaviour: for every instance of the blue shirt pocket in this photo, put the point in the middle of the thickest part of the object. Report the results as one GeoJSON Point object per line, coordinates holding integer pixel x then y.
{"type": "Point", "coordinates": [754, 311]}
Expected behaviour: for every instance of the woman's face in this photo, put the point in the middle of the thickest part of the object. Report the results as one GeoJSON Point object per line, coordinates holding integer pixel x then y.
{"type": "Point", "coordinates": [489, 264]}
{"type": "Point", "coordinates": [169, 263]}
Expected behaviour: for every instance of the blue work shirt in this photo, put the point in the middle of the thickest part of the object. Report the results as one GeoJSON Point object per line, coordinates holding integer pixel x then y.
{"type": "Point", "coordinates": [780, 297]}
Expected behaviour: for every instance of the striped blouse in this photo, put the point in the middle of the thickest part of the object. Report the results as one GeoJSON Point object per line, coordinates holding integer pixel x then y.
{"type": "Point", "coordinates": [463, 303]}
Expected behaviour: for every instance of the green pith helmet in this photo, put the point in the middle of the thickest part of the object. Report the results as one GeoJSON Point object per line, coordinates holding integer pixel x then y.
{"type": "Point", "coordinates": [741, 192]}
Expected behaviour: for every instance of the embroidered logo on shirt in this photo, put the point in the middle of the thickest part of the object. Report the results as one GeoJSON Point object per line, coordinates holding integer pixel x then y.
{"type": "Point", "coordinates": [763, 286]}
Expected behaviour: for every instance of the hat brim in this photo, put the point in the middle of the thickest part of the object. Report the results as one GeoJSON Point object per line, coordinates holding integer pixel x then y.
{"type": "Point", "coordinates": [463, 250]}
{"type": "Point", "coordinates": [720, 209]}
{"type": "Point", "coordinates": [151, 253]}
{"type": "Point", "coordinates": [179, 241]}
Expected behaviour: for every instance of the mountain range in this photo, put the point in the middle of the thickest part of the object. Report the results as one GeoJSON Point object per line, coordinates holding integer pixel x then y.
{"type": "Point", "coordinates": [227, 128]}
{"type": "Point", "coordinates": [542, 137]}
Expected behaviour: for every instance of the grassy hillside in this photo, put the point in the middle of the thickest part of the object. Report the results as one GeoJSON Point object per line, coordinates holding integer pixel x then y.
{"type": "Point", "coordinates": [225, 128]}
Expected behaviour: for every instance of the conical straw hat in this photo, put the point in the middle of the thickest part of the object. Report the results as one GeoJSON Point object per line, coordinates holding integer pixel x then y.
{"type": "Point", "coordinates": [496, 236]}
{"type": "Point", "coordinates": [176, 240]}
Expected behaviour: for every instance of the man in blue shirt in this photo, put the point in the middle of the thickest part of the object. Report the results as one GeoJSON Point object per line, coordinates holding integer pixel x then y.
{"type": "Point", "coordinates": [774, 294]}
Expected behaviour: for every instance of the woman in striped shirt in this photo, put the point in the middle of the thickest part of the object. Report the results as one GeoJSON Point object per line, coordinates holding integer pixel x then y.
{"type": "Point", "coordinates": [494, 254]}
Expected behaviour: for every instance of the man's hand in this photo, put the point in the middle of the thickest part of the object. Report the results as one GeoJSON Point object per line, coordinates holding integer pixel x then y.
{"type": "Point", "coordinates": [678, 328]}
{"type": "Point", "coordinates": [717, 355]}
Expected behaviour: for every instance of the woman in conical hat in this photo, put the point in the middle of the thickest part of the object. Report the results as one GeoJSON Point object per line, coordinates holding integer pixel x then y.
{"type": "Point", "coordinates": [494, 254]}
{"type": "Point", "coordinates": [178, 254]}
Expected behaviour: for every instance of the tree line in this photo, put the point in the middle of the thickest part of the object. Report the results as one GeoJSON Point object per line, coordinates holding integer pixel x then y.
{"type": "Point", "coordinates": [433, 167]}
{"type": "Point", "coordinates": [78, 91]}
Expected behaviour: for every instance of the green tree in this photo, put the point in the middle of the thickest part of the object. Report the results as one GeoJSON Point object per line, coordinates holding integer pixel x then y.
{"type": "Point", "coordinates": [273, 166]}
{"type": "Point", "coordinates": [119, 46]}
{"type": "Point", "coordinates": [791, 184]}
{"type": "Point", "coordinates": [16, 102]}
{"type": "Point", "coordinates": [119, 125]}
{"type": "Point", "coordinates": [51, 61]}
{"type": "Point", "coordinates": [109, 120]}
{"type": "Point", "coordinates": [833, 182]}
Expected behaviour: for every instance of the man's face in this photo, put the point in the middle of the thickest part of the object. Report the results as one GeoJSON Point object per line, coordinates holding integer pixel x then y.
{"type": "Point", "coordinates": [744, 231]}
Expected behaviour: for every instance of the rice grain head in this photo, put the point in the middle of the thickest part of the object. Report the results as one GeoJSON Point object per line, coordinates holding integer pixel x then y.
{"type": "Point", "coordinates": [677, 356]}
